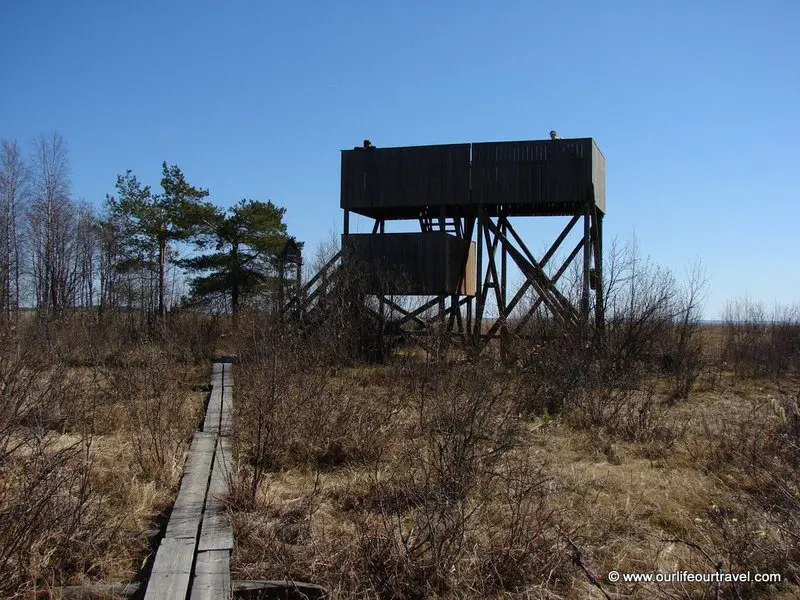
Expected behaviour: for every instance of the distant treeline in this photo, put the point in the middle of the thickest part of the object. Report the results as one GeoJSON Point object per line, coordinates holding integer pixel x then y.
{"type": "Point", "coordinates": [58, 253]}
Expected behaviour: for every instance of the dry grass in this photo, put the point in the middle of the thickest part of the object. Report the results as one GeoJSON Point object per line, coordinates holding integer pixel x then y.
{"type": "Point", "coordinates": [447, 485]}
{"type": "Point", "coordinates": [524, 474]}
{"type": "Point", "coordinates": [94, 423]}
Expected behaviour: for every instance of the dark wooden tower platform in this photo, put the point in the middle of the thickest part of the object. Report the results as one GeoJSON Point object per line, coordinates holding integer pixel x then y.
{"type": "Point", "coordinates": [464, 200]}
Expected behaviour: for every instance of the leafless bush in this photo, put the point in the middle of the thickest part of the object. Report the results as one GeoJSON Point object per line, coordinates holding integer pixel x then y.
{"type": "Point", "coordinates": [761, 343]}
{"type": "Point", "coordinates": [448, 496]}
{"type": "Point", "coordinates": [683, 356]}
{"type": "Point", "coordinates": [50, 519]}
{"type": "Point", "coordinates": [561, 375]}
{"type": "Point", "coordinates": [519, 535]}
{"type": "Point", "coordinates": [641, 304]}
{"type": "Point", "coordinates": [89, 338]}
{"type": "Point", "coordinates": [607, 382]}
{"type": "Point", "coordinates": [466, 417]}
{"type": "Point", "coordinates": [553, 365]}
{"type": "Point", "coordinates": [347, 322]}
{"type": "Point", "coordinates": [653, 318]}
{"type": "Point", "coordinates": [760, 448]}
{"type": "Point", "coordinates": [456, 510]}
{"type": "Point", "coordinates": [159, 413]}
{"type": "Point", "coordinates": [294, 409]}
{"type": "Point", "coordinates": [632, 415]}
{"type": "Point", "coordinates": [192, 337]}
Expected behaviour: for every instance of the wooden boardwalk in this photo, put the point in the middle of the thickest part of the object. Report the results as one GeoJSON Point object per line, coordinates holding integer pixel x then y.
{"type": "Point", "coordinates": [193, 559]}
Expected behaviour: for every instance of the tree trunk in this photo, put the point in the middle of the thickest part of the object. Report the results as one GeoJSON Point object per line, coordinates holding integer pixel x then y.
{"type": "Point", "coordinates": [162, 262]}
{"type": "Point", "coordinates": [235, 285]}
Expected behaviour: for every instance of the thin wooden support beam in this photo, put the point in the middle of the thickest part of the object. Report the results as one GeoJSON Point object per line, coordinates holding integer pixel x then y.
{"type": "Point", "coordinates": [599, 311]}
{"type": "Point", "coordinates": [503, 268]}
{"type": "Point", "coordinates": [509, 308]}
{"type": "Point", "coordinates": [561, 237]}
{"type": "Point", "coordinates": [538, 266]}
{"type": "Point", "coordinates": [491, 270]}
{"type": "Point", "coordinates": [450, 310]}
{"type": "Point", "coordinates": [480, 300]}
{"type": "Point", "coordinates": [554, 300]}
{"type": "Point", "coordinates": [518, 240]}
{"type": "Point", "coordinates": [459, 320]}
{"type": "Point", "coordinates": [418, 311]}
{"type": "Point", "coordinates": [556, 277]}
{"type": "Point", "coordinates": [405, 312]}
{"type": "Point", "coordinates": [587, 258]}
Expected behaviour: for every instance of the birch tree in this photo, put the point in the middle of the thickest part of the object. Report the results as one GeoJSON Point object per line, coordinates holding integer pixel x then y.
{"type": "Point", "coordinates": [13, 190]}
{"type": "Point", "coordinates": [51, 221]}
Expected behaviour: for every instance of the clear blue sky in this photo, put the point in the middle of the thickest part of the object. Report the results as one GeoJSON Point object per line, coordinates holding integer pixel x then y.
{"type": "Point", "coordinates": [694, 104]}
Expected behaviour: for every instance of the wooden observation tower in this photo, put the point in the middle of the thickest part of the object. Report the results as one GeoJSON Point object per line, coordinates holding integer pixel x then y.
{"type": "Point", "coordinates": [462, 202]}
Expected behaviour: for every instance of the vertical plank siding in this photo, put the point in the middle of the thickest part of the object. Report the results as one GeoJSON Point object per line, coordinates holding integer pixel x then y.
{"type": "Point", "coordinates": [525, 178]}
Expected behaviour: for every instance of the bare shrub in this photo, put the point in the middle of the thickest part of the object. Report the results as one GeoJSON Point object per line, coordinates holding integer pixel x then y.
{"type": "Point", "coordinates": [641, 303]}
{"type": "Point", "coordinates": [560, 375]}
{"type": "Point", "coordinates": [192, 337]}
{"type": "Point", "coordinates": [466, 416]}
{"type": "Point", "coordinates": [761, 343]}
{"type": "Point", "coordinates": [293, 409]}
{"type": "Point", "coordinates": [518, 535]}
{"type": "Point", "coordinates": [456, 509]}
{"type": "Point", "coordinates": [634, 415]}
{"type": "Point", "coordinates": [348, 326]}
{"type": "Point", "coordinates": [653, 327]}
{"type": "Point", "coordinates": [91, 338]}
{"type": "Point", "coordinates": [553, 365]}
{"type": "Point", "coordinates": [159, 414]}
{"type": "Point", "coordinates": [447, 497]}
{"type": "Point", "coordinates": [683, 353]}
{"type": "Point", "coordinates": [51, 522]}
{"type": "Point", "coordinates": [759, 447]}
{"type": "Point", "coordinates": [610, 382]}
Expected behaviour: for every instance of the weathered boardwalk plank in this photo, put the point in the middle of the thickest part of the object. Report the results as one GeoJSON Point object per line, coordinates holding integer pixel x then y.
{"type": "Point", "coordinates": [214, 411]}
{"type": "Point", "coordinates": [226, 418]}
{"type": "Point", "coordinates": [193, 559]}
{"type": "Point", "coordinates": [227, 378]}
{"type": "Point", "coordinates": [217, 533]}
{"type": "Point", "coordinates": [212, 575]}
{"type": "Point", "coordinates": [172, 570]}
{"type": "Point", "coordinates": [217, 370]}
{"type": "Point", "coordinates": [184, 521]}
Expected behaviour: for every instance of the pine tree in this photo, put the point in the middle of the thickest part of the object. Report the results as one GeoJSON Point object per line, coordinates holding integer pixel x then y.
{"type": "Point", "coordinates": [154, 221]}
{"type": "Point", "coordinates": [247, 241]}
